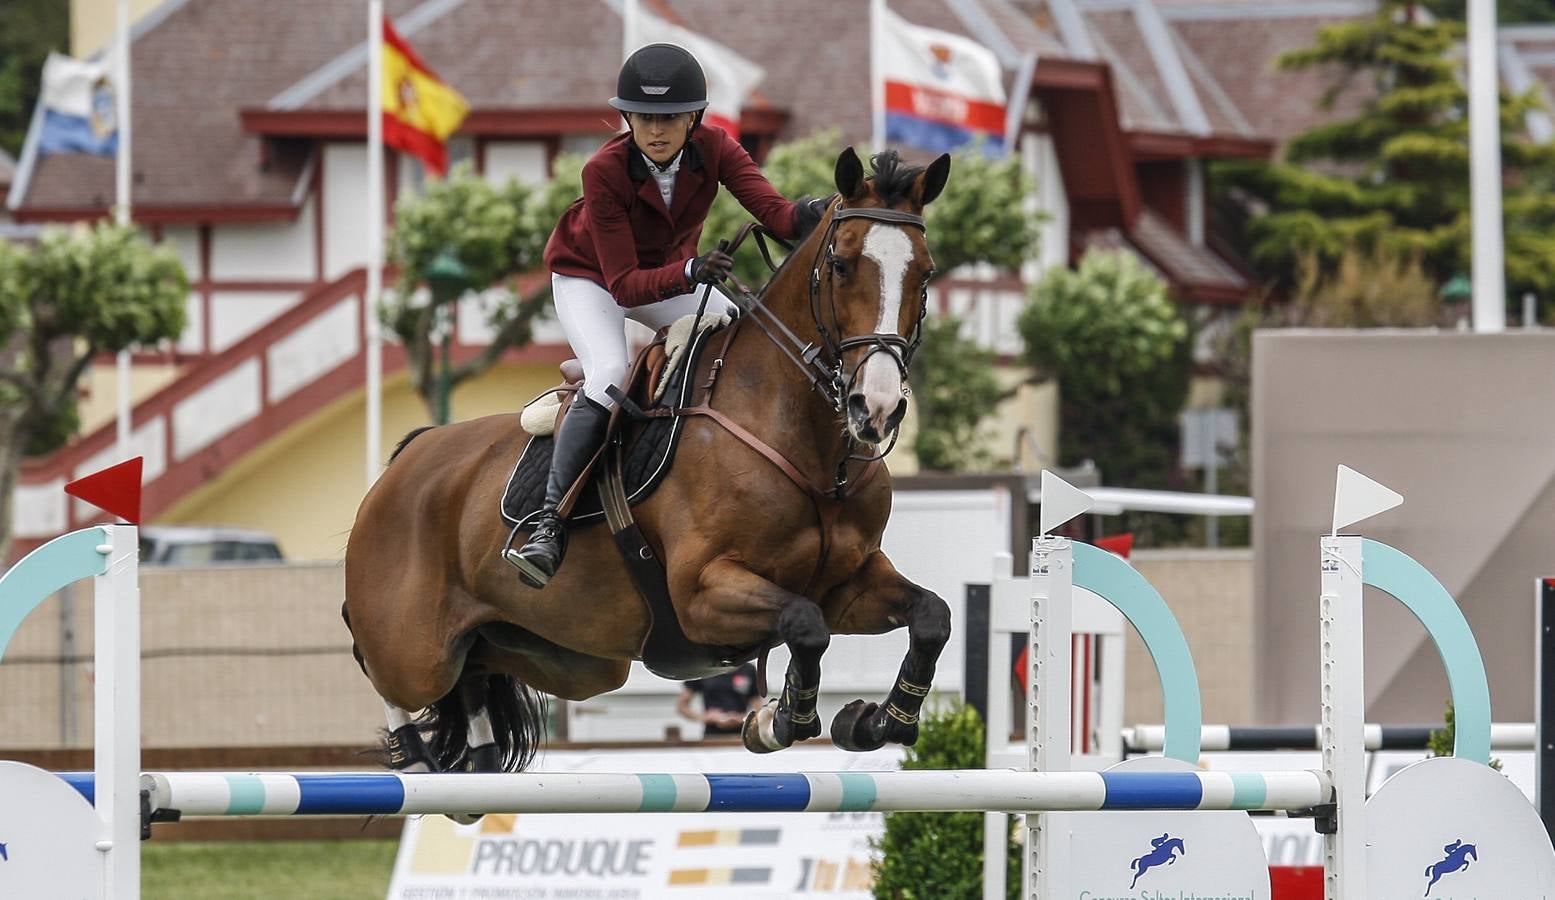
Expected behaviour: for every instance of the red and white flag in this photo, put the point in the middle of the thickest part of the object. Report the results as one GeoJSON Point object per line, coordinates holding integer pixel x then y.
{"type": "Point", "coordinates": [933, 89]}
{"type": "Point", "coordinates": [730, 76]}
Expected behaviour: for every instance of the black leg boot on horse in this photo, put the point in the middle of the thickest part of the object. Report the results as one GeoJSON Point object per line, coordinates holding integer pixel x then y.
{"type": "Point", "coordinates": [582, 431]}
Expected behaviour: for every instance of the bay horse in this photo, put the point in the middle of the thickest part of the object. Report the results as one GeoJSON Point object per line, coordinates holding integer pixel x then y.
{"type": "Point", "coordinates": [443, 625]}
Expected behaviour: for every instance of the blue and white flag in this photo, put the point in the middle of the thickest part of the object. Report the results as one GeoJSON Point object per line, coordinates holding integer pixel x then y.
{"type": "Point", "coordinates": [79, 110]}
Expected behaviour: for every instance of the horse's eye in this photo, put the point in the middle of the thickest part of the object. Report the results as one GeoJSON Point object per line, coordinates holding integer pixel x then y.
{"type": "Point", "coordinates": [839, 268]}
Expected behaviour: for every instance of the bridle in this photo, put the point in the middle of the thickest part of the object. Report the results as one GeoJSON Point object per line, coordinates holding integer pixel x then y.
{"type": "Point", "coordinates": [821, 362]}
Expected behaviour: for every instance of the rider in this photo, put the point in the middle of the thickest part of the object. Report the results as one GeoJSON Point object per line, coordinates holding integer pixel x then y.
{"type": "Point", "coordinates": [628, 249]}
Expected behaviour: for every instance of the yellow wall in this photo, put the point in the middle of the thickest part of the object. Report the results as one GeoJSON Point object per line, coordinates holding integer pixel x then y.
{"type": "Point", "coordinates": [100, 405]}
{"type": "Point", "coordinates": [303, 486]}
{"type": "Point", "coordinates": [92, 22]}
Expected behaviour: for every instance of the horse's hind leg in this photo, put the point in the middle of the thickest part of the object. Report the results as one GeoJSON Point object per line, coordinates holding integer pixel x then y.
{"type": "Point", "coordinates": [882, 592]}
{"type": "Point", "coordinates": [792, 716]}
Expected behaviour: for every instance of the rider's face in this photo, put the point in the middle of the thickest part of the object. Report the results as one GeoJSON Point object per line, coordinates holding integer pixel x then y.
{"type": "Point", "coordinates": [660, 136]}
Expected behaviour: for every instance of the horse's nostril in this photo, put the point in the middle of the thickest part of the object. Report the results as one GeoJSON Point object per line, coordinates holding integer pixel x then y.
{"type": "Point", "coordinates": [858, 407]}
{"type": "Point", "coordinates": [896, 415]}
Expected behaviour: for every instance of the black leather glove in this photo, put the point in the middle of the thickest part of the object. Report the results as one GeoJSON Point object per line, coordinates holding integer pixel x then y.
{"type": "Point", "coordinates": [811, 211]}
{"type": "Point", "coordinates": [711, 267]}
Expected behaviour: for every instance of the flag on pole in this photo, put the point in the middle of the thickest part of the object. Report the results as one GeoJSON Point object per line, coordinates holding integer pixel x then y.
{"type": "Point", "coordinates": [936, 90]}
{"type": "Point", "coordinates": [730, 76]}
{"type": "Point", "coordinates": [79, 107]}
{"type": "Point", "coordinates": [420, 111]}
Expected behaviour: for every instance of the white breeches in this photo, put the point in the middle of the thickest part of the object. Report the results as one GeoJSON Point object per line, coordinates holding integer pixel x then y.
{"type": "Point", "coordinates": [596, 327]}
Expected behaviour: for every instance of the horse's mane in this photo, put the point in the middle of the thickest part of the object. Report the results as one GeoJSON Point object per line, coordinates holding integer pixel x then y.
{"type": "Point", "coordinates": [892, 179]}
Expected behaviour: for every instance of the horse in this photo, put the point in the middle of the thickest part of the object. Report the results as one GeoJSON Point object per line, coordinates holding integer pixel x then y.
{"type": "Point", "coordinates": [1458, 855]}
{"type": "Point", "coordinates": [1167, 849]}
{"type": "Point", "coordinates": [759, 546]}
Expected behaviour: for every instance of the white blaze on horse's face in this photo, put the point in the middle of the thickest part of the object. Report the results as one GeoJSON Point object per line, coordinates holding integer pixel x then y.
{"type": "Point", "coordinates": [878, 400]}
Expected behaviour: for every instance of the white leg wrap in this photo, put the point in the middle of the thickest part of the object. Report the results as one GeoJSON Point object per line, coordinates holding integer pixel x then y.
{"type": "Point", "coordinates": [480, 730]}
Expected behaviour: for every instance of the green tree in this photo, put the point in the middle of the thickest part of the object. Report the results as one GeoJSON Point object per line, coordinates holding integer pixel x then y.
{"type": "Point", "coordinates": [1394, 177]}
{"type": "Point", "coordinates": [981, 217]}
{"type": "Point", "coordinates": [1119, 348]}
{"type": "Point", "coordinates": [954, 387]}
{"type": "Point", "coordinates": [29, 29]}
{"type": "Point", "coordinates": [78, 294]}
{"type": "Point", "coordinates": [1508, 12]}
{"type": "Point", "coordinates": [495, 232]}
{"type": "Point", "coordinates": [928, 856]}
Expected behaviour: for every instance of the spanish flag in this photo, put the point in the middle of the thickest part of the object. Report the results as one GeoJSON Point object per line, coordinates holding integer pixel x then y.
{"type": "Point", "coordinates": [419, 110]}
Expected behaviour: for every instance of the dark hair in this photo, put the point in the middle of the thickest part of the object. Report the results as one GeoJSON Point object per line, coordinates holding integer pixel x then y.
{"type": "Point", "coordinates": [892, 179]}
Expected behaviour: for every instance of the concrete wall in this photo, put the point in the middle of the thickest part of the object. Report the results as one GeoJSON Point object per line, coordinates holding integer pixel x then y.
{"type": "Point", "coordinates": [232, 656]}
{"type": "Point", "coordinates": [1459, 424]}
{"type": "Point", "coordinates": [247, 655]}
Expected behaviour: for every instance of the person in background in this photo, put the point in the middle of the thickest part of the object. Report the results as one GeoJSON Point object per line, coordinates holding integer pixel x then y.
{"type": "Point", "coordinates": [726, 699]}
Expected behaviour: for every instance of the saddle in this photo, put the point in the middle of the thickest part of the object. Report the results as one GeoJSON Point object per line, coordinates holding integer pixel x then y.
{"type": "Point", "coordinates": [637, 454]}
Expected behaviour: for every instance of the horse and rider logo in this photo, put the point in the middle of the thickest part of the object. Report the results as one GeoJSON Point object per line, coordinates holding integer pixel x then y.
{"type": "Point", "coordinates": [1458, 857]}
{"type": "Point", "coordinates": [1167, 849]}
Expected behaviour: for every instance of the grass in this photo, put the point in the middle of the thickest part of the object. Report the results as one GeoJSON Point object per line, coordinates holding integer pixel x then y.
{"type": "Point", "coordinates": [305, 870]}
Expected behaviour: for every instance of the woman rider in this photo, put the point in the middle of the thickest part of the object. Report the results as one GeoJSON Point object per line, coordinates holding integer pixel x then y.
{"type": "Point", "coordinates": [627, 249]}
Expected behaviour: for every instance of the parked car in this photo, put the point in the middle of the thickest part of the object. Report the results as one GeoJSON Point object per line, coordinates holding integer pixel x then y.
{"type": "Point", "coordinates": [199, 545]}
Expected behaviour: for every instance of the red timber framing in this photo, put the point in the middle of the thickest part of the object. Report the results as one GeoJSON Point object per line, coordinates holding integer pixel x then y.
{"type": "Point", "coordinates": [1111, 176]}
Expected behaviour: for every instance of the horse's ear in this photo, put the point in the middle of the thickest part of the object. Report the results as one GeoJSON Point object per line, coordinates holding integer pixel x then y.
{"type": "Point", "coordinates": [850, 175]}
{"type": "Point", "coordinates": [932, 181]}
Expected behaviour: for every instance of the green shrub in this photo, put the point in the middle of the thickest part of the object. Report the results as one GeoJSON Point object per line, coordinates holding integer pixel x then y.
{"type": "Point", "coordinates": [939, 856]}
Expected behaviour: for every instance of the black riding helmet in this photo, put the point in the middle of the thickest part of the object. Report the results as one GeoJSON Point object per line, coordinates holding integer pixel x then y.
{"type": "Point", "coordinates": [661, 78]}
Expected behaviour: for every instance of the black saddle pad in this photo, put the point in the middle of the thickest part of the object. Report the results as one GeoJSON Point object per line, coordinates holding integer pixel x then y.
{"type": "Point", "coordinates": [647, 462]}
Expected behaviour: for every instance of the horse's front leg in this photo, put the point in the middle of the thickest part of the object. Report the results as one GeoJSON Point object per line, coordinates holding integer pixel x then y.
{"type": "Point", "coordinates": [747, 600]}
{"type": "Point", "coordinates": [879, 599]}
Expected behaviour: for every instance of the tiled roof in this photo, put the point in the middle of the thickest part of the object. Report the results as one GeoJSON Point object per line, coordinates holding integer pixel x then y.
{"type": "Point", "coordinates": [201, 63]}
{"type": "Point", "coordinates": [1197, 272]}
{"type": "Point", "coordinates": [1238, 52]}
{"type": "Point", "coordinates": [204, 61]}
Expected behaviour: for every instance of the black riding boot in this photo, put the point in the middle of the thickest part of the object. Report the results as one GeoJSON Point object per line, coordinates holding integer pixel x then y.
{"type": "Point", "coordinates": [582, 431]}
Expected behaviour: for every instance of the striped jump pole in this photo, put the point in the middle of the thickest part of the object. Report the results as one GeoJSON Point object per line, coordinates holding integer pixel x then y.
{"type": "Point", "coordinates": [391, 794]}
{"type": "Point", "coordinates": [1262, 738]}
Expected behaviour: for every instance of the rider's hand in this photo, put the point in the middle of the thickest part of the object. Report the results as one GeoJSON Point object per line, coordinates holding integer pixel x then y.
{"type": "Point", "coordinates": [711, 267]}
{"type": "Point", "coordinates": [811, 211]}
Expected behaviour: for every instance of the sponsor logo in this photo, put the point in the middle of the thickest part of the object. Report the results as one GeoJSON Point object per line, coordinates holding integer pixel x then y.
{"type": "Point", "coordinates": [1167, 849]}
{"type": "Point", "coordinates": [941, 54]}
{"type": "Point", "coordinates": [1458, 857]}
{"type": "Point", "coordinates": [5, 855]}
{"type": "Point", "coordinates": [104, 117]}
{"type": "Point", "coordinates": [655, 90]}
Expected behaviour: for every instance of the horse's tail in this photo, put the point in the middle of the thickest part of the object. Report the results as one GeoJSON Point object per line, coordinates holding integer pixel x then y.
{"type": "Point", "coordinates": [517, 714]}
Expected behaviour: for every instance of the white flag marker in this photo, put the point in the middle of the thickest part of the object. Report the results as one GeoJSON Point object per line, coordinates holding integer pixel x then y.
{"type": "Point", "coordinates": [1357, 497]}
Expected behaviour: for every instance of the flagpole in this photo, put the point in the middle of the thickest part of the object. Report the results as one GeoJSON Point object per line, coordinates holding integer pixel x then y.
{"type": "Point", "coordinates": [876, 81]}
{"type": "Point", "coordinates": [1015, 113]}
{"type": "Point", "coordinates": [629, 13]}
{"type": "Point", "coordinates": [121, 77]}
{"type": "Point", "coordinates": [372, 330]}
{"type": "Point", "coordinates": [1487, 262]}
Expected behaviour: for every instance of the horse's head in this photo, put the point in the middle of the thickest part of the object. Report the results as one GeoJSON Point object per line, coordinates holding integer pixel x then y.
{"type": "Point", "coordinates": [869, 286]}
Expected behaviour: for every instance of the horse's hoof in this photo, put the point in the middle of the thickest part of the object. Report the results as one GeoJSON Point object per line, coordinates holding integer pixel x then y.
{"type": "Point", "coordinates": [464, 818]}
{"type": "Point", "coordinates": [757, 733]}
{"type": "Point", "coordinates": [852, 726]}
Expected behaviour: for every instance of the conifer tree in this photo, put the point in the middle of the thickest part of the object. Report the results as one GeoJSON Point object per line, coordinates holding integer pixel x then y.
{"type": "Point", "coordinates": [1394, 178]}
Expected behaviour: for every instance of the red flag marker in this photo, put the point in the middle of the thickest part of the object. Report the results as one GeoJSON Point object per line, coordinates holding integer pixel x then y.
{"type": "Point", "coordinates": [115, 489]}
{"type": "Point", "coordinates": [1121, 544]}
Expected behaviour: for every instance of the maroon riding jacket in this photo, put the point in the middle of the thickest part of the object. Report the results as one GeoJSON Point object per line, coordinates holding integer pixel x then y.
{"type": "Point", "coordinates": [620, 236]}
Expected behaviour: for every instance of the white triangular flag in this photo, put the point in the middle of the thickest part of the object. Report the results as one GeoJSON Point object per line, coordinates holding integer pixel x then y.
{"type": "Point", "coordinates": [1061, 501]}
{"type": "Point", "coordinates": [1357, 497]}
